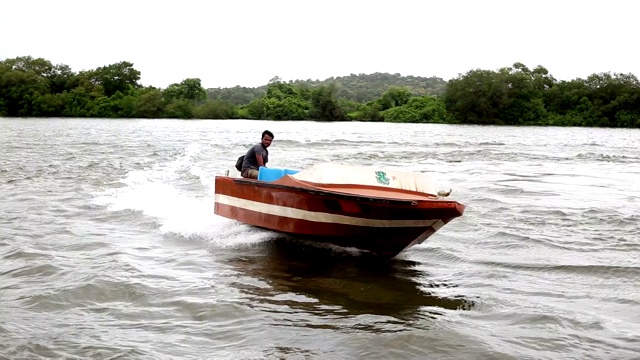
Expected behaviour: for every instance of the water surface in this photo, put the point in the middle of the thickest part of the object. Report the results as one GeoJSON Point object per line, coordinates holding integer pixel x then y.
{"type": "Point", "coordinates": [109, 247]}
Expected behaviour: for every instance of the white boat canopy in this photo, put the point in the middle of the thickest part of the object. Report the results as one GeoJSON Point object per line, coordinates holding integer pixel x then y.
{"type": "Point", "coordinates": [329, 173]}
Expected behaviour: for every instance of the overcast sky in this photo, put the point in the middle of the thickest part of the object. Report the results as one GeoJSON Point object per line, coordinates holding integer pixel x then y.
{"type": "Point", "coordinates": [228, 43]}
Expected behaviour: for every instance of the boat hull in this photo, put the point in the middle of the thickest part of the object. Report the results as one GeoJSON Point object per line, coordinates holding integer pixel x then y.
{"type": "Point", "coordinates": [380, 226]}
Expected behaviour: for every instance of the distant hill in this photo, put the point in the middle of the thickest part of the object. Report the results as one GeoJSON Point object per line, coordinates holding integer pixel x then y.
{"type": "Point", "coordinates": [361, 88]}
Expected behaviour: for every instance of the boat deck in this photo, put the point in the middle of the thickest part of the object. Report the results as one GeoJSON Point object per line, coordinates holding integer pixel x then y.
{"type": "Point", "coordinates": [362, 190]}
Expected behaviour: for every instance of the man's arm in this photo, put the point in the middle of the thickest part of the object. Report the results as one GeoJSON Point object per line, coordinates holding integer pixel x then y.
{"type": "Point", "coordinates": [260, 160]}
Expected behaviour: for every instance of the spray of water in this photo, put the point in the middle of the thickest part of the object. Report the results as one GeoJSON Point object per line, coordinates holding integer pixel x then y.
{"type": "Point", "coordinates": [178, 196]}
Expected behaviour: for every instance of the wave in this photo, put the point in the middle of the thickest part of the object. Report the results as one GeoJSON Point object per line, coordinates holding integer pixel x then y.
{"type": "Point", "coordinates": [596, 270]}
{"type": "Point", "coordinates": [600, 157]}
{"type": "Point", "coordinates": [492, 143]}
{"type": "Point", "coordinates": [177, 197]}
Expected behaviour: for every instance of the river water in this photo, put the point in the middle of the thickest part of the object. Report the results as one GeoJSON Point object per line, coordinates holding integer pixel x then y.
{"type": "Point", "coordinates": [109, 248]}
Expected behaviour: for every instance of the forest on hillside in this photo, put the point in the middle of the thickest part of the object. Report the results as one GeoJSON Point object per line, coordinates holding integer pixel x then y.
{"type": "Point", "coordinates": [360, 88]}
{"type": "Point", "coordinates": [513, 95]}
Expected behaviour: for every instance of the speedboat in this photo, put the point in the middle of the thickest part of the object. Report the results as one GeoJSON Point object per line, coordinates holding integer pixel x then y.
{"type": "Point", "coordinates": [375, 210]}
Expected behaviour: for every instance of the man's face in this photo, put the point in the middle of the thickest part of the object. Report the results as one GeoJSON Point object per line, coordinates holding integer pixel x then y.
{"type": "Point", "coordinates": [266, 140]}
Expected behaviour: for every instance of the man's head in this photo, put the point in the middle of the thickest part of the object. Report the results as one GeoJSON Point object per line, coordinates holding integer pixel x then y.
{"type": "Point", "coordinates": [267, 138]}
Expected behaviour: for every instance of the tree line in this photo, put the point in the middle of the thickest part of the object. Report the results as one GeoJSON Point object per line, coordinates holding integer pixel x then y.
{"type": "Point", "coordinates": [359, 88]}
{"type": "Point", "coordinates": [516, 95]}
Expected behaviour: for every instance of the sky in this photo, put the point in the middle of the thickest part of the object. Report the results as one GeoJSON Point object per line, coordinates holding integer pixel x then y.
{"type": "Point", "coordinates": [245, 42]}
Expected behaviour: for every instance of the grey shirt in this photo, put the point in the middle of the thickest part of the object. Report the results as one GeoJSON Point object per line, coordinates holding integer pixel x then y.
{"type": "Point", "coordinates": [250, 161]}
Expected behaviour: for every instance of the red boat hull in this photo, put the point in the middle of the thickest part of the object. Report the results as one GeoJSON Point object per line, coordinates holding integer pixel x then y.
{"type": "Point", "coordinates": [381, 226]}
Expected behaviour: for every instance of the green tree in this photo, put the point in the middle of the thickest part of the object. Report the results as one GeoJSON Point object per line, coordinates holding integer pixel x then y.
{"type": "Point", "coordinates": [565, 96]}
{"type": "Point", "coordinates": [189, 89]}
{"type": "Point", "coordinates": [78, 103]}
{"type": "Point", "coordinates": [367, 112]}
{"type": "Point", "coordinates": [401, 114]}
{"type": "Point", "coordinates": [324, 105]}
{"type": "Point", "coordinates": [428, 108]}
{"type": "Point", "coordinates": [476, 97]}
{"type": "Point", "coordinates": [149, 103]}
{"type": "Point", "coordinates": [50, 105]}
{"type": "Point", "coordinates": [280, 91]}
{"type": "Point", "coordinates": [281, 102]}
{"type": "Point", "coordinates": [511, 96]}
{"type": "Point", "coordinates": [236, 95]}
{"type": "Point", "coordinates": [289, 108]}
{"type": "Point", "coordinates": [615, 93]}
{"type": "Point", "coordinates": [255, 109]}
{"type": "Point", "coordinates": [215, 109]}
{"type": "Point", "coordinates": [116, 77]}
{"type": "Point", "coordinates": [19, 88]}
{"type": "Point", "coordinates": [180, 109]}
{"type": "Point", "coordinates": [393, 97]}
{"type": "Point", "coordinates": [524, 94]}
{"type": "Point", "coordinates": [61, 79]}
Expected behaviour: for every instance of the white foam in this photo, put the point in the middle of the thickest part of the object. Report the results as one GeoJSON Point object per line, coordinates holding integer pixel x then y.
{"type": "Point", "coordinates": [156, 194]}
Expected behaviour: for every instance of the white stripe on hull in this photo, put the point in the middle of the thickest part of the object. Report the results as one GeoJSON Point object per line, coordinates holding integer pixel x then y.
{"type": "Point", "coordinates": [293, 213]}
{"type": "Point", "coordinates": [437, 225]}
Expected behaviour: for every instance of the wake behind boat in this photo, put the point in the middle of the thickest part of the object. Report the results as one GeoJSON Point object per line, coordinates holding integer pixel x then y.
{"type": "Point", "coordinates": [379, 211]}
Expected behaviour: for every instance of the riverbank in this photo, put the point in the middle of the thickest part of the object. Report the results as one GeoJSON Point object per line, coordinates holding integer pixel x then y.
{"type": "Point", "coordinates": [513, 95]}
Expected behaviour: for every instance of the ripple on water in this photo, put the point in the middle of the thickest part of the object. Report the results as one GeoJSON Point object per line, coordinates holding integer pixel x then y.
{"type": "Point", "coordinates": [110, 248]}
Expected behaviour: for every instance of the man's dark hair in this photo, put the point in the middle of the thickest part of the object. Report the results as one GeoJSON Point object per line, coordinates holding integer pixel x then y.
{"type": "Point", "coordinates": [267, 132]}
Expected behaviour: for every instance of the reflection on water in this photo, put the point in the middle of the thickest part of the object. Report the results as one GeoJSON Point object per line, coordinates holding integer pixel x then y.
{"type": "Point", "coordinates": [325, 282]}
